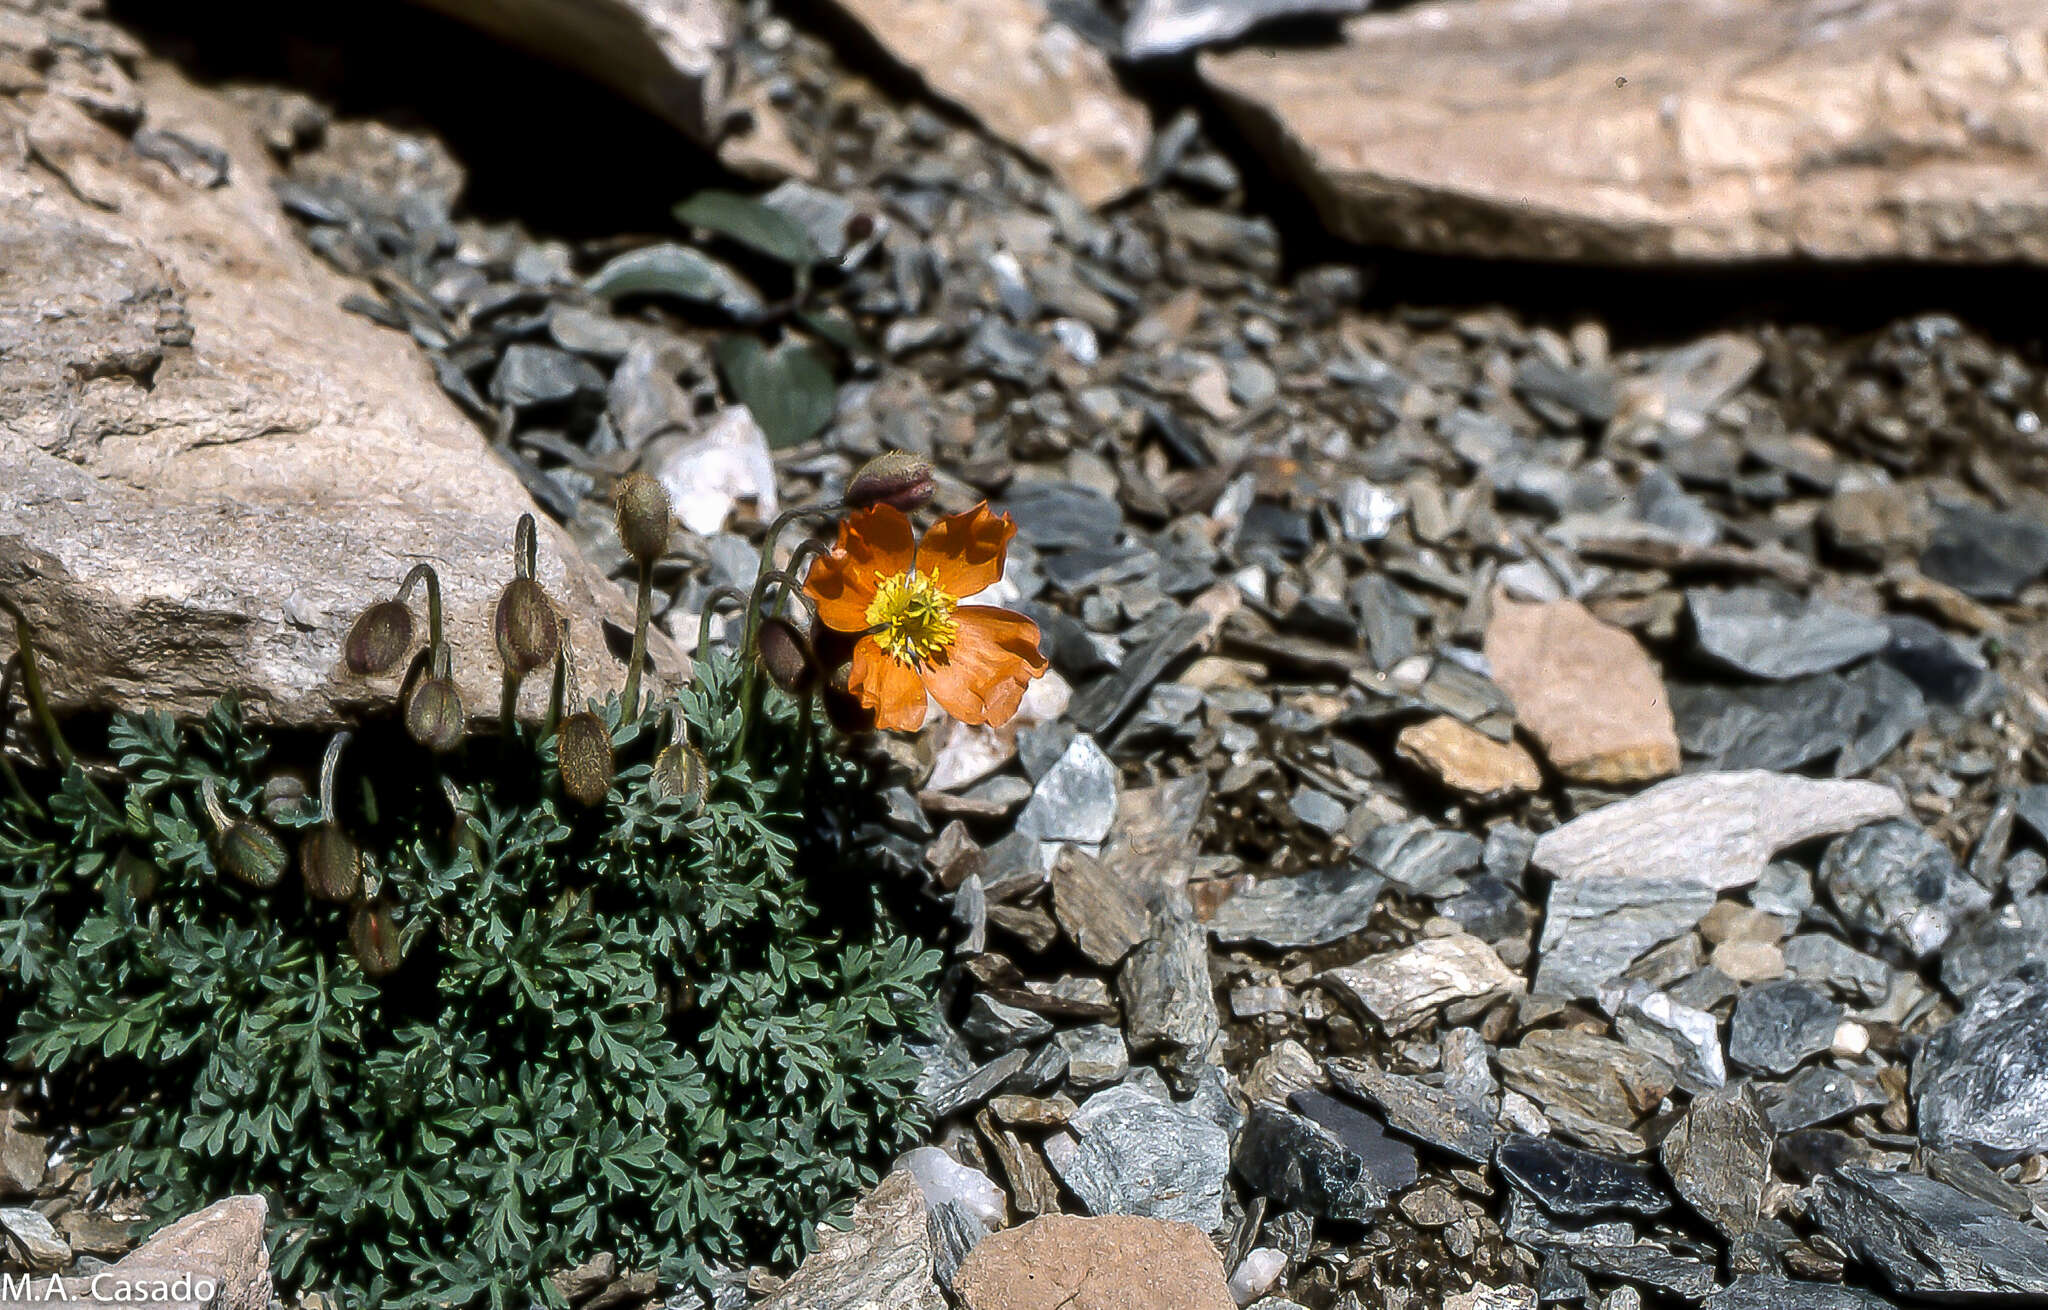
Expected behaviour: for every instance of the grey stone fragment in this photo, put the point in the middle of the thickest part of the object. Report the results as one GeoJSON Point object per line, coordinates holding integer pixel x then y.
{"type": "Point", "coordinates": [1995, 944]}
{"type": "Point", "coordinates": [886, 1258]}
{"type": "Point", "coordinates": [1308, 909]}
{"type": "Point", "coordinates": [1105, 702]}
{"type": "Point", "coordinates": [530, 375]}
{"type": "Point", "coordinates": [1402, 989]}
{"type": "Point", "coordinates": [1392, 1164]}
{"type": "Point", "coordinates": [1770, 634]}
{"type": "Point", "coordinates": [998, 1027]}
{"type": "Point", "coordinates": [1930, 1241]}
{"type": "Point", "coordinates": [32, 1240]}
{"type": "Point", "coordinates": [1986, 554]}
{"type": "Point", "coordinates": [1815, 1096]}
{"type": "Point", "coordinates": [1719, 1159]}
{"type": "Point", "coordinates": [1302, 1165]}
{"type": "Point", "coordinates": [1593, 1089]}
{"type": "Point", "coordinates": [1168, 1002]}
{"type": "Point", "coordinates": [983, 1082]}
{"type": "Point", "coordinates": [1981, 1083]}
{"type": "Point", "coordinates": [1130, 1152]}
{"type": "Point", "coordinates": [1687, 1039]}
{"type": "Point", "coordinates": [1769, 1292]}
{"type": "Point", "coordinates": [1857, 718]}
{"type": "Point", "coordinates": [1449, 1122]}
{"type": "Point", "coordinates": [1895, 880]}
{"type": "Point", "coordinates": [1778, 1026]}
{"type": "Point", "coordinates": [1599, 924]}
{"type": "Point", "coordinates": [1577, 1183]}
{"type": "Point", "coordinates": [1076, 799]}
{"type": "Point", "coordinates": [1831, 963]}
{"type": "Point", "coordinates": [1062, 515]}
{"type": "Point", "coordinates": [1096, 1056]}
{"type": "Point", "coordinates": [1650, 1265]}
{"type": "Point", "coordinates": [1421, 859]}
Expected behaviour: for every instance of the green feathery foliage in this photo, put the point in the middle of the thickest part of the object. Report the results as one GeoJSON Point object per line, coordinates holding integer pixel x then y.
{"type": "Point", "coordinates": [668, 1028]}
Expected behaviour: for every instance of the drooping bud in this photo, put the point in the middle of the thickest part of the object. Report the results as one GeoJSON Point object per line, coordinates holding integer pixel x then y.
{"type": "Point", "coordinates": [379, 638]}
{"type": "Point", "coordinates": [245, 849]}
{"type": "Point", "coordinates": [896, 478]}
{"type": "Point", "coordinates": [679, 776]}
{"type": "Point", "coordinates": [374, 935]}
{"type": "Point", "coordinates": [285, 797]}
{"type": "Point", "coordinates": [585, 747]}
{"type": "Point", "coordinates": [786, 655]}
{"type": "Point", "coordinates": [529, 635]}
{"type": "Point", "coordinates": [641, 507]}
{"type": "Point", "coordinates": [331, 864]}
{"type": "Point", "coordinates": [434, 715]}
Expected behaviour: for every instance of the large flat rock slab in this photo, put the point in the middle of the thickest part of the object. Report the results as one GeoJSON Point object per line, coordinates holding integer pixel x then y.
{"type": "Point", "coordinates": [1708, 130]}
{"type": "Point", "coordinates": [207, 467]}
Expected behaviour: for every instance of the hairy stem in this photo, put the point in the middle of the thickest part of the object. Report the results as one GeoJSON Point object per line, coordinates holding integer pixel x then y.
{"type": "Point", "coordinates": [330, 764]}
{"type": "Point", "coordinates": [643, 612]}
{"type": "Point", "coordinates": [32, 686]}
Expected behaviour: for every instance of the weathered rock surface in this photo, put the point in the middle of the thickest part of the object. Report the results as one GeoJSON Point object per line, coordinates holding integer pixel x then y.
{"type": "Point", "coordinates": [1064, 1262]}
{"type": "Point", "coordinates": [209, 467]}
{"type": "Point", "coordinates": [1584, 689]}
{"type": "Point", "coordinates": [1720, 130]}
{"type": "Point", "coordinates": [1981, 1082]}
{"type": "Point", "coordinates": [1714, 829]}
{"type": "Point", "coordinates": [218, 1251]}
{"type": "Point", "coordinates": [1168, 27]}
{"type": "Point", "coordinates": [1930, 1241]}
{"type": "Point", "coordinates": [1467, 760]}
{"type": "Point", "coordinates": [1403, 988]}
{"type": "Point", "coordinates": [883, 1262]}
{"type": "Point", "coordinates": [1030, 80]}
{"type": "Point", "coordinates": [667, 56]}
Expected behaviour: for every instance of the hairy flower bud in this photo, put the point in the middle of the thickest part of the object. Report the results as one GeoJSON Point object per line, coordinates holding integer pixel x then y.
{"type": "Point", "coordinates": [331, 864]}
{"type": "Point", "coordinates": [896, 478]}
{"type": "Point", "coordinates": [679, 776]}
{"type": "Point", "coordinates": [585, 747]}
{"type": "Point", "coordinates": [786, 655]}
{"type": "Point", "coordinates": [434, 715]}
{"type": "Point", "coordinates": [379, 638]}
{"type": "Point", "coordinates": [251, 852]}
{"type": "Point", "coordinates": [528, 635]}
{"type": "Point", "coordinates": [374, 936]}
{"type": "Point", "coordinates": [641, 508]}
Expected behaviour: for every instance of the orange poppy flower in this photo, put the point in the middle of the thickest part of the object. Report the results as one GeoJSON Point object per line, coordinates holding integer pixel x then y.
{"type": "Point", "coordinates": [902, 597]}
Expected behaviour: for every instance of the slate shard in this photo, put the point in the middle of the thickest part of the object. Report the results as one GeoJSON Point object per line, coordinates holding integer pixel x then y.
{"type": "Point", "coordinates": [1308, 909]}
{"type": "Point", "coordinates": [1981, 1083]}
{"type": "Point", "coordinates": [1303, 1165]}
{"type": "Point", "coordinates": [1451, 1123]}
{"type": "Point", "coordinates": [1930, 1241]}
{"type": "Point", "coordinates": [1569, 1181]}
{"type": "Point", "coordinates": [1779, 1026]}
{"type": "Point", "coordinates": [1896, 880]}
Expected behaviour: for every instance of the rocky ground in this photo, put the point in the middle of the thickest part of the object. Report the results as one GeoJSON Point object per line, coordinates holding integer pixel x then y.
{"type": "Point", "coordinates": [1518, 816]}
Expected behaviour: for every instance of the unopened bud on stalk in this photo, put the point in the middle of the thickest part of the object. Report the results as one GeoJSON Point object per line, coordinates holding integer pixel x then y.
{"type": "Point", "coordinates": [585, 748]}
{"type": "Point", "coordinates": [373, 934]}
{"type": "Point", "coordinates": [529, 635]}
{"type": "Point", "coordinates": [786, 655]}
{"type": "Point", "coordinates": [434, 715]}
{"type": "Point", "coordinates": [331, 864]}
{"type": "Point", "coordinates": [641, 507]}
{"type": "Point", "coordinates": [246, 850]}
{"type": "Point", "coordinates": [379, 638]}
{"type": "Point", "coordinates": [896, 478]}
{"type": "Point", "coordinates": [679, 776]}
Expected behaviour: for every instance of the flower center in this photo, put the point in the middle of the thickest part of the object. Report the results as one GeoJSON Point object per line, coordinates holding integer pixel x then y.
{"type": "Point", "coordinates": [913, 618]}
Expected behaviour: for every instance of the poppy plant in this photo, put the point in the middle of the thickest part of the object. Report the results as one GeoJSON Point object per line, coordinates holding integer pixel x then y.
{"type": "Point", "coordinates": [901, 597]}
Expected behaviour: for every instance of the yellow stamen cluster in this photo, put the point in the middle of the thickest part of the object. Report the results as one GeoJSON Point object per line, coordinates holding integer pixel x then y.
{"type": "Point", "coordinates": [912, 618]}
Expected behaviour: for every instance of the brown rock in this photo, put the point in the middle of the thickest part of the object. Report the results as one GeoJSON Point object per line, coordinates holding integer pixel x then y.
{"type": "Point", "coordinates": [1587, 692]}
{"type": "Point", "coordinates": [1030, 80]}
{"type": "Point", "coordinates": [1467, 760]}
{"type": "Point", "coordinates": [1103, 916]}
{"type": "Point", "coordinates": [1116, 1262]}
{"type": "Point", "coordinates": [1612, 130]}
{"type": "Point", "coordinates": [211, 468]}
{"type": "Point", "coordinates": [667, 56]}
{"type": "Point", "coordinates": [218, 1250]}
{"type": "Point", "coordinates": [883, 1262]}
{"type": "Point", "coordinates": [23, 1155]}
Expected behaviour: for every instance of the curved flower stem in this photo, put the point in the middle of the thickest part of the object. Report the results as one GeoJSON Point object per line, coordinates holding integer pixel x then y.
{"type": "Point", "coordinates": [555, 696]}
{"type": "Point", "coordinates": [643, 612]}
{"type": "Point", "coordinates": [750, 633]}
{"type": "Point", "coordinates": [7, 673]}
{"type": "Point", "coordinates": [733, 594]}
{"type": "Point", "coordinates": [330, 764]}
{"type": "Point", "coordinates": [32, 686]}
{"type": "Point", "coordinates": [425, 573]}
{"type": "Point", "coordinates": [209, 800]}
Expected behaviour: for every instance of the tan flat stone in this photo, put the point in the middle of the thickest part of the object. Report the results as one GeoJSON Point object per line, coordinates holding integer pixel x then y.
{"type": "Point", "coordinates": [1591, 696]}
{"type": "Point", "coordinates": [1115, 1262]}
{"type": "Point", "coordinates": [1467, 760]}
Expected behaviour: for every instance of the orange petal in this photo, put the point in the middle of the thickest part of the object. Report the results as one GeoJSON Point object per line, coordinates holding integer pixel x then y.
{"type": "Point", "coordinates": [873, 544]}
{"type": "Point", "coordinates": [892, 690]}
{"type": "Point", "coordinates": [984, 672]}
{"type": "Point", "coordinates": [963, 553]}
